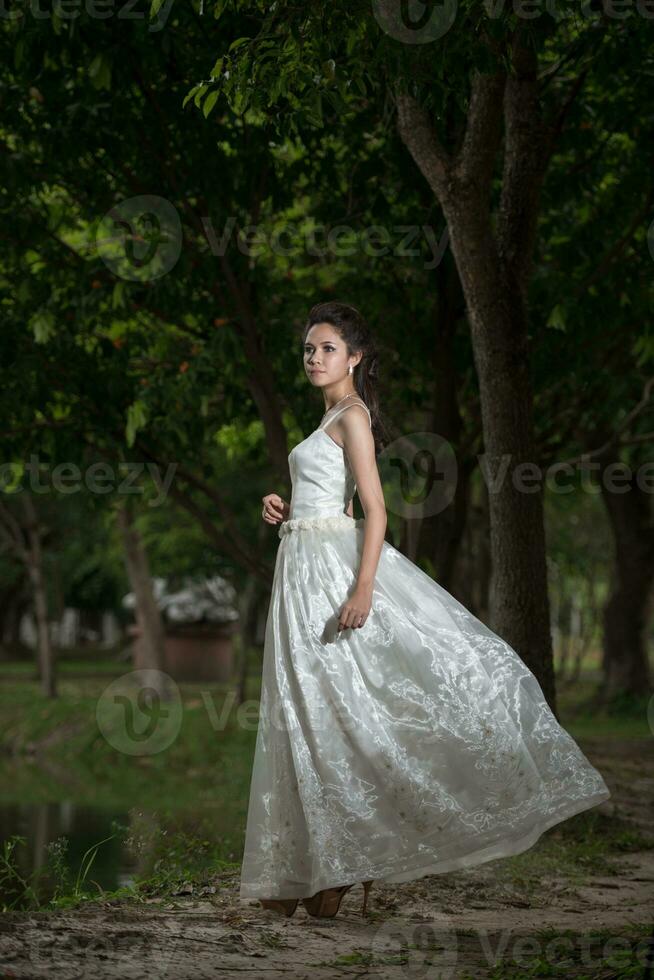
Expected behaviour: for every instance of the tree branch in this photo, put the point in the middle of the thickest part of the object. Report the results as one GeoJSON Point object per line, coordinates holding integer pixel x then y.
{"type": "Point", "coordinates": [419, 135]}
{"type": "Point", "coordinates": [483, 132]}
{"type": "Point", "coordinates": [614, 439]}
{"type": "Point", "coordinates": [525, 164]}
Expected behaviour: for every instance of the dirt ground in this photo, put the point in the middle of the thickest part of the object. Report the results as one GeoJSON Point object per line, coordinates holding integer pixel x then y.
{"type": "Point", "coordinates": [440, 926]}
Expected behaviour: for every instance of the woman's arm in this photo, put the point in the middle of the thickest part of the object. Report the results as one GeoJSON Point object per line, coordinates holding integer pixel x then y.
{"type": "Point", "coordinates": [359, 444]}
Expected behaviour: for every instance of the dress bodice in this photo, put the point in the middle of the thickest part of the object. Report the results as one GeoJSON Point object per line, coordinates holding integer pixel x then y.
{"type": "Point", "coordinates": [323, 483]}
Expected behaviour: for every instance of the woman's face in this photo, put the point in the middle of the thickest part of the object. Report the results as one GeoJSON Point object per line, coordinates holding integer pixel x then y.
{"type": "Point", "coordinates": [325, 355]}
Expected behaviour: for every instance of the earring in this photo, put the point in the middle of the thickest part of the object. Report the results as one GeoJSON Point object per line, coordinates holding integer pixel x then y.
{"type": "Point", "coordinates": [350, 369]}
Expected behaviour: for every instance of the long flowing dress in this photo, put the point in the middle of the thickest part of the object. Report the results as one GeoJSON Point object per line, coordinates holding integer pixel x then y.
{"type": "Point", "coordinates": [417, 744]}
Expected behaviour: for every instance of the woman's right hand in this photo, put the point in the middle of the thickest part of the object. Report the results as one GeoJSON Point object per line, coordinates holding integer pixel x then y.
{"type": "Point", "coordinates": [275, 510]}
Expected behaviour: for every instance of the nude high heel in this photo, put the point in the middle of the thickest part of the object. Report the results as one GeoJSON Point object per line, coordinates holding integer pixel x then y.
{"type": "Point", "coordinates": [326, 903]}
{"type": "Point", "coordinates": [285, 905]}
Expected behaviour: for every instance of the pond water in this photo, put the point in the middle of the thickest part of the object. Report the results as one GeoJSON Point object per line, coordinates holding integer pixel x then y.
{"type": "Point", "coordinates": [131, 842]}
{"type": "Point", "coordinates": [82, 827]}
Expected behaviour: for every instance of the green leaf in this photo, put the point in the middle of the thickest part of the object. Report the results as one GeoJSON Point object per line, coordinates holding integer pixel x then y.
{"type": "Point", "coordinates": [118, 295]}
{"type": "Point", "coordinates": [644, 349]}
{"type": "Point", "coordinates": [42, 326]}
{"type": "Point", "coordinates": [209, 102]}
{"type": "Point", "coordinates": [100, 72]}
{"type": "Point", "coordinates": [200, 92]}
{"type": "Point", "coordinates": [189, 95]}
{"type": "Point", "coordinates": [136, 418]}
{"type": "Point", "coordinates": [218, 67]}
{"type": "Point", "coordinates": [238, 43]}
{"type": "Point", "coordinates": [556, 319]}
{"type": "Point", "coordinates": [239, 102]}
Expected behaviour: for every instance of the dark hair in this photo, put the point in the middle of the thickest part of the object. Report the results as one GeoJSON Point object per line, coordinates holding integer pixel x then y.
{"type": "Point", "coordinates": [353, 329]}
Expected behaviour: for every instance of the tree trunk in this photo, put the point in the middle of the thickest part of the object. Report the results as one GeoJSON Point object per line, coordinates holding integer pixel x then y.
{"type": "Point", "coordinates": [440, 535]}
{"type": "Point", "coordinates": [34, 558]}
{"type": "Point", "coordinates": [493, 268]}
{"type": "Point", "coordinates": [147, 611]}
{"type": "Point", "coordinates": [248, 609]}
{"type": "Point", "coordinates": [12, 606]}
{"type": "Point", "coordinates": [472, 574]}
{"type": "Point", "coordinates": [627, 612]}
{"type": "Point", "coordinates": [578, 645]}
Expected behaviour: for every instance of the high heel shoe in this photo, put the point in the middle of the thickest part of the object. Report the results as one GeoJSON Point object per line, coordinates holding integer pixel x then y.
{"type": "Point", "coordinates": [366, 888]}
{"type": "Point", "coordinates": [285, 905]}
{"type": "Point", "coordinates": [326, 903]}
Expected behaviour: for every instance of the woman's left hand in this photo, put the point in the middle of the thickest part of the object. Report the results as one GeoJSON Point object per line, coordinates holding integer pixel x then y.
{"type": "Point", "coordinates": [355, 611]}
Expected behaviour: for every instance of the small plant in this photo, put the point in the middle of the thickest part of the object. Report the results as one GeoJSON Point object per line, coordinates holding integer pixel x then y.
{"type": "Point", "coordinates": [12, 881]}
{"type": "Point", "coordinates": [26, 891]}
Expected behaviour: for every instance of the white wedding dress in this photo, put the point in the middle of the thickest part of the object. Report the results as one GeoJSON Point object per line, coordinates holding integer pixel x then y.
{"type": "Point", "coordinates": [417, 744]}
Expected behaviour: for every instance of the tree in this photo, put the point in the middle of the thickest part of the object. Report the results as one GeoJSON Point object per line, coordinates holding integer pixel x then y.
{"type": "Point", "coordinates": [24, 535]}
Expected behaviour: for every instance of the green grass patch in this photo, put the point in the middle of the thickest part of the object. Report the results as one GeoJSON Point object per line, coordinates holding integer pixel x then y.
{"type": "Point", "coordinates": [588, 844]}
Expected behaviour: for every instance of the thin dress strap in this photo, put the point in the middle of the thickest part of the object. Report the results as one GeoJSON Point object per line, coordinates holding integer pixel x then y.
{"type": "Point", "coordinates": [344, 409]}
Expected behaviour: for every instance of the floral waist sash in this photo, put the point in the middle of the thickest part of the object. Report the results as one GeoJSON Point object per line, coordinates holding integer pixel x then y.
{"type": "Point", "coordinates": [330, 523]}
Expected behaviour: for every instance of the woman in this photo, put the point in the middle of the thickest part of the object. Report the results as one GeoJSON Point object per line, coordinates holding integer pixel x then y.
{"type": "Point", "coordinates": [398, 735]}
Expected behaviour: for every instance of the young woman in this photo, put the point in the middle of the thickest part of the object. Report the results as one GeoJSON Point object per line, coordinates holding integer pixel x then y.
{"type": "Point", "coordinates": [398, 735]}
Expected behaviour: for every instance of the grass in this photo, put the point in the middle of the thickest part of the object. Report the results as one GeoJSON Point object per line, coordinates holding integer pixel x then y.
{"type": "Point", "coordinates": [583, 718]}
{"type": "Point", "coordinates": [64, 732]}
{"type": "Point", "coordinates": [181, 865]}
{"type": "Point", "coordinates": [587, 844]}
